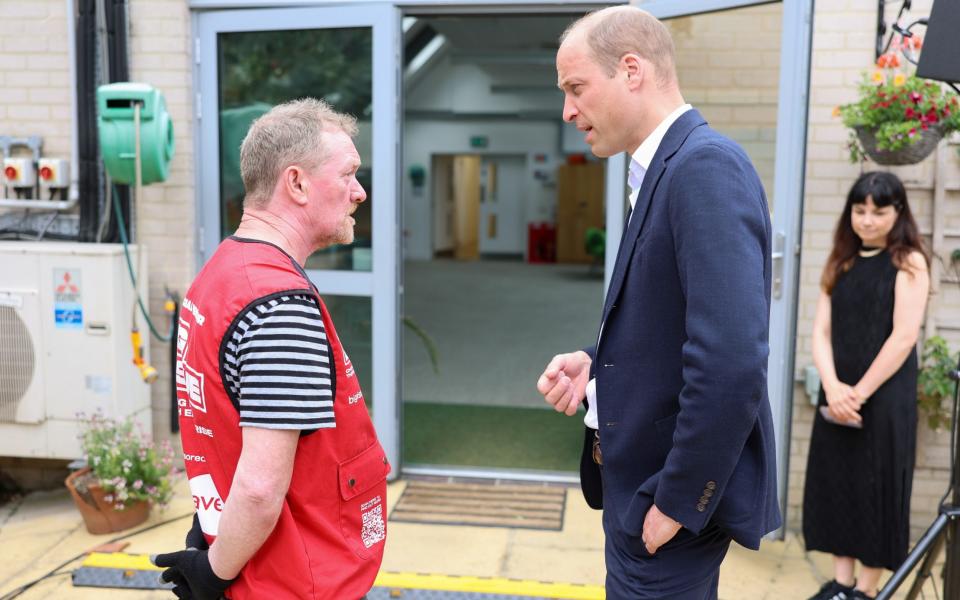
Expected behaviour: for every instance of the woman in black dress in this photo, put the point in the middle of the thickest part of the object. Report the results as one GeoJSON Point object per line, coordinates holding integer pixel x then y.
{"type": "Point", "coordinates": [856, 503]}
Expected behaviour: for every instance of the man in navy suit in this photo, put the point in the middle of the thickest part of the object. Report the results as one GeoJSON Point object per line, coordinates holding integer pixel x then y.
{"type": "Point", "coordinates": [679, 445]}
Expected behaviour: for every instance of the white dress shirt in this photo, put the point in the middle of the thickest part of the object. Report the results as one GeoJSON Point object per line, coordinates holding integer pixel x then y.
{"type": "Point", "coordinates": [639, 163]}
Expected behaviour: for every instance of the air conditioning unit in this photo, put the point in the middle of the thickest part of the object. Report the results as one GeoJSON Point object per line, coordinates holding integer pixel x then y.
{"type": "Point", "coordinates": [66, 311]}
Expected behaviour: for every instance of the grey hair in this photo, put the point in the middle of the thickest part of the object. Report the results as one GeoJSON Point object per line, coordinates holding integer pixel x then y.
{"type": "Point", "coordinates": [288, 134]}
{"type": "Point", "coordinates": [617, 30]}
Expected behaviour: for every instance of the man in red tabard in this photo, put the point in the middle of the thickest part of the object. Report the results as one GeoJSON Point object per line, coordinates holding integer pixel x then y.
{"type": "Point", "coordinates": [287, 476]}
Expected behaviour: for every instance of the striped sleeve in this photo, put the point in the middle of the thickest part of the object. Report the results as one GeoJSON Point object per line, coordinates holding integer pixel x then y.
{"type": "Point", "coordinates": [278, 366]}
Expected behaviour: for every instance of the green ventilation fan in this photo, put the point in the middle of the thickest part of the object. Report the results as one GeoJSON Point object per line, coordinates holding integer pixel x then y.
{"type": "Point", "coordinates": [117, 108]}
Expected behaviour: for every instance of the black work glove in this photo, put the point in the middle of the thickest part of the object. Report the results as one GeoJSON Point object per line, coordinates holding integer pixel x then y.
{"type": "Point", "coordinates": [195, 539]}
{"type": "Point", "coordinates": [191, 575]}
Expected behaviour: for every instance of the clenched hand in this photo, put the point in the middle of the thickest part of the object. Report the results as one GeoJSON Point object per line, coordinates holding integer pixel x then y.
{"type": "Point", "coordinates": [564, 381]}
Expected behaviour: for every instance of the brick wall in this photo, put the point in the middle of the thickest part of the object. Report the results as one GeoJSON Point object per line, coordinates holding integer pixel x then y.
{"type": "Point", "coordinates": [728, 64]}
{"type": "Point", "coordinates": [34, 78]}
{"type": "Point", "coordinates": [35, 100]}
{"type": "Point", "coordinates": [161, 51]}
{"type": "Point", "coordinates": [843, 43]}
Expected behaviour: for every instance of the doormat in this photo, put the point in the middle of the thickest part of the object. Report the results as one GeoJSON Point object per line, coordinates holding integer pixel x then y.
{"type": "Point", "coordinates": [482, 505]}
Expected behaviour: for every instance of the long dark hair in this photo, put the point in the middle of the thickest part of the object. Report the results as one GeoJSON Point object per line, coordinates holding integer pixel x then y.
{"type": "Point", "coordinates": [885, 189]}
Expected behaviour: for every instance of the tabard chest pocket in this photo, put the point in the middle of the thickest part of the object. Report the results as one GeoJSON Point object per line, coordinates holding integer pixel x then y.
{"type": "Point", "coordinates": [363, 499]}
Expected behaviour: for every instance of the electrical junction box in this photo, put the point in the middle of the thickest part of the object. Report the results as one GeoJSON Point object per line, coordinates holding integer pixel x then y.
{"type": "Point", "coordinates": [53, 172]}
{"type": "Point", "coordinates": [66, 311]}
{"type": "Point", "coordinates": [19, 172]}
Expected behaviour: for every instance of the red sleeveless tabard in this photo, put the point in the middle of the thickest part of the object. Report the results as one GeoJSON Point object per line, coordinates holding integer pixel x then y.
{"type": "Point", "coordinates": [328, 541]}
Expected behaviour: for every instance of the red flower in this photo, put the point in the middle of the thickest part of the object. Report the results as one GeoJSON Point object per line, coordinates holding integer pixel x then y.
{"type": "Point", "coordinates": [916, 97]}
{"type": "Point", "coordinates": [909, 114]}
{"type": "Point", "coordinates": [889, 60]}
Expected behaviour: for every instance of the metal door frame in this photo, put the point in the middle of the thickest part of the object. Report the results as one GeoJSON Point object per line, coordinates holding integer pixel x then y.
{"type": "Point", "coordinates": [788, 180]}
{"type": "Point", "coordinates": [381, 284]}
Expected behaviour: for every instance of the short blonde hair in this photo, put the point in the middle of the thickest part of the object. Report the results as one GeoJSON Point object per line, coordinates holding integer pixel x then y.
{"type": "Point", "coordinates": [617, 30]}
{"type": "Point", "coordinates": [288, 134]}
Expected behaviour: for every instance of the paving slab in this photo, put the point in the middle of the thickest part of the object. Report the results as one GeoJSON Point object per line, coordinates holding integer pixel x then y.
{"type": "Point", "coordinates": [44, 531]}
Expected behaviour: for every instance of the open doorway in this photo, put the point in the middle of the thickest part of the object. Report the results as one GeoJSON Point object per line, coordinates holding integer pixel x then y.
{"type": "Point", "coordinates": [479, 87]}
{"type": "Point", "coordinates": [483, 145]}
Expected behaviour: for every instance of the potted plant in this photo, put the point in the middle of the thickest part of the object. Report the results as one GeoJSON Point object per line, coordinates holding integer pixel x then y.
{"type": "Point", "coordinates": [125, 474]}
{"type": "Point", "coordinates": [933, 381]}
{"type": "Point", "coordinates": [899, 118]}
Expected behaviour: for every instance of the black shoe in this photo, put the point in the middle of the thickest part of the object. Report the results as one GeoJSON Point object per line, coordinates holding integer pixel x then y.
{"type": "Point", "coordinates": [832, 590]}
{"type": "Point", "coordinates": [859, 595]}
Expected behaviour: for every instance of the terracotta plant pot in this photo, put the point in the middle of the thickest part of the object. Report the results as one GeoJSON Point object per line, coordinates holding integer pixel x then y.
{"type": "Point", "coordinates": [99, 515]}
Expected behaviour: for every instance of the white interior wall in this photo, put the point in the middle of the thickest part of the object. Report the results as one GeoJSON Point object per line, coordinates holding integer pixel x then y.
{"type": "Point", "coordinates": [424, 138]}
{"type": "Point", "coordinates": [455, 84]}
{"type": "Point", "coordinates": [453, 87]}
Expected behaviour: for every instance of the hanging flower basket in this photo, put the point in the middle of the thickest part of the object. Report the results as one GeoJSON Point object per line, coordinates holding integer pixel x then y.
{"type": "Point", "coordinates": [898, 118]}
{"type": "Point", "coordinates": [906, 155]}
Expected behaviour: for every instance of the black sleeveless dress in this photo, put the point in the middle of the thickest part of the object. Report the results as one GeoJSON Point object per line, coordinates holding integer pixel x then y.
{"type": "Point", "coordinates": [856, 499]}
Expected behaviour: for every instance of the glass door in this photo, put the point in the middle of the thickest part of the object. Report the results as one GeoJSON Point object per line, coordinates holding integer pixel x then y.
{"type": "Point", "coordinates": [251, 60]}
{"type": "Point", "coordinates": [755, 92]}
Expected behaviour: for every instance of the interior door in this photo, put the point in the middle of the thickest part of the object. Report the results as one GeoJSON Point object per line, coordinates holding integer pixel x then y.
{"type": "Point", "coordinates": [501, 204]}
{"type": "Point", "coordinates": [251, 60]}
{"type": "Point", "coordinates": [466, 202]}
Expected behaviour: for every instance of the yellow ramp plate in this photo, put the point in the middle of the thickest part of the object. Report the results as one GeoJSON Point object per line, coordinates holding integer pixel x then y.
{"type": "Point", "coordinates": [119, 570]}
{"type": "Point", "coordinates": [489, 585]}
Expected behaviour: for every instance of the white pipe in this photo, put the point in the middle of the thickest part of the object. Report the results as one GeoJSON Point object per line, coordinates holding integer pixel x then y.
{"type": "Point", "coordinates": [138, 179]}
{"type": "Point", "coordinates": [39, 204]}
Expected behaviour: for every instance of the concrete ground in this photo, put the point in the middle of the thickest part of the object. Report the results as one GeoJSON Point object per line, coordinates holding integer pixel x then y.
{"type": "Point", "coordinates": [43, 531]}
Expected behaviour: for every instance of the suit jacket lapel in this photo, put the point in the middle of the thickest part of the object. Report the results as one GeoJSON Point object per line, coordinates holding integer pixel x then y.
{"type": "Point", "coordinates": [672, 142]}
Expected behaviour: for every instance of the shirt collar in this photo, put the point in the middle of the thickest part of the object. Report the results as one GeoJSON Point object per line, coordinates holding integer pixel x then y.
{"type": "Point", "coordinates": [641, 159]}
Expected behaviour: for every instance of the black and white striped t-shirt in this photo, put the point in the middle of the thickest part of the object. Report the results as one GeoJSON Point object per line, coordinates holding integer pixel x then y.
{"type": "Point", "coordinates": [276, 365]}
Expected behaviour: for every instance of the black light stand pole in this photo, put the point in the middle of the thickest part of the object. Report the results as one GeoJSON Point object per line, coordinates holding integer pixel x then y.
{"type": "Point", "coordinates": [951, 570]}
{"type": "Point", "coordinates": [945, 531]}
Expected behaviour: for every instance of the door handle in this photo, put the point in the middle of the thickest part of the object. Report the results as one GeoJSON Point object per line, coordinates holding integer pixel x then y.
{"type": "Point", "coordinates": [779, 240]}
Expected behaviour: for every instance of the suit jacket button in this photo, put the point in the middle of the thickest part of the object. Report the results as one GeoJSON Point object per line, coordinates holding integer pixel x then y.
{"type": "Point", "coordinates": [707, 492]}
{"type": "Point", "coordinates": [701, 507]}
{"type": "Point", "coordinates": [711, 485]}
{"type": "Point", "coordinates": [704, 500]}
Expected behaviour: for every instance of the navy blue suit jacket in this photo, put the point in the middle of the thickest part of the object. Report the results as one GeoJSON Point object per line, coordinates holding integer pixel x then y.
{"type": "Point", "coordinates": [681, 365]}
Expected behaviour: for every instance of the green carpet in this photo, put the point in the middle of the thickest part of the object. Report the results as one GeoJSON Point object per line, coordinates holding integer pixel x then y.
{"type": "Point", "coordinates": [491, 436]}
